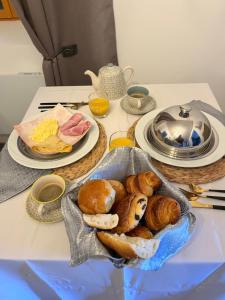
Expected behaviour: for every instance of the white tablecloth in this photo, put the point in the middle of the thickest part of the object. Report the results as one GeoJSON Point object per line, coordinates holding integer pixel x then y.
{"type": "Point", "coordinates": [34, 257]}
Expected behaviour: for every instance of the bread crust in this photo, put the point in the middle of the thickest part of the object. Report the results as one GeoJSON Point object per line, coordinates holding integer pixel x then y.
{"type": "Point", "coordinates": [141, 231]}
{"type": "Point", "coordinates": [130, 211]}
{"type": "Point", "coordinates": [161, 211]}
{"type": "Point", "coordinates": [121, 247]}
{"type": "Point", "coordinates": [96, 197]}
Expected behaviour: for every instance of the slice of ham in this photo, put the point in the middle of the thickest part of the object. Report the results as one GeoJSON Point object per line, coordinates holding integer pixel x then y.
{"type": "Point", "coordinates": [79, 129]}
{"type": "Point", "coordinates": [73, 121]}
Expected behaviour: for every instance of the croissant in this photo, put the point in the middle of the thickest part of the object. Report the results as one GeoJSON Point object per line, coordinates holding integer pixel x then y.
{"type": "Point", "coordinates": [148, 181]}
{"type": "Point", "coordinates": [145, 183]}
{"type": "Point", "coordinates": [161, 211]}
{"type": "Point", "coordinates": [131, 184]}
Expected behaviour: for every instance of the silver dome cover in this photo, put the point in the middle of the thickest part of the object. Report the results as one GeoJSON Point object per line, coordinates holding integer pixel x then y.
{"type": "Point", "coordinates": [181, 132]}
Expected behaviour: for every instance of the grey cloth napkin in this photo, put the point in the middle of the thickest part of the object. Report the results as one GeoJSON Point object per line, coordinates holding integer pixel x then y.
{"type": "Point", "coordinates": [198, 104]}
{"type": "Point", "coordinates": [15, 178]}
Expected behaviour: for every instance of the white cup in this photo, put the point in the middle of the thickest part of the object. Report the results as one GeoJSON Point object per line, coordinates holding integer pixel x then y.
{"type": "Point", "coordinates": [137, 96]}
{"type": "Point", "coordinates": [52, 186]}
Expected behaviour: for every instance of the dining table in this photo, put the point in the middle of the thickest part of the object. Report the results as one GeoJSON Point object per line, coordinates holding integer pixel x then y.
{"type": "Point", "coordinates": [35, 257]}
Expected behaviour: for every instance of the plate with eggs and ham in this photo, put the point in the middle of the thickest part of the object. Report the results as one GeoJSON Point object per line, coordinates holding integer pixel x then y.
{"type": "Point", "coordinates": [53, 139]}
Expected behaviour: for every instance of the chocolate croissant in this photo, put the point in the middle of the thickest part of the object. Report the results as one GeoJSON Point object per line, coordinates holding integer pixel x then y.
{"type": "Point", "coordinates": [130, 211]}
{"type": "Point", "coordinates": [145, 183]}
{"type": "Point", "coordinates": [161, 211]}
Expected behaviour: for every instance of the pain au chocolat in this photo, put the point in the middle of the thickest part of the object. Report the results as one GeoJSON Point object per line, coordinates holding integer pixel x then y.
{"type": "Point", "coordinates": [161, 211]}
{"type": "Point", "coordinates": [130, 211]}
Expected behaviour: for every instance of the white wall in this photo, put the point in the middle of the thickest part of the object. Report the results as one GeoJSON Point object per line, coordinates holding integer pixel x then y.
{"type": "Point", "coordinates": [20, 73]}
{"type": "Point", "coordinates": [170, 41]}
{"type": "Point", "coordinates": [166, 41]}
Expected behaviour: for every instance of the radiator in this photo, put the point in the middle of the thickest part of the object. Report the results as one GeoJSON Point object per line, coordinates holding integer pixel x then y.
{"type": "Point", "coordinates": [16, 93]}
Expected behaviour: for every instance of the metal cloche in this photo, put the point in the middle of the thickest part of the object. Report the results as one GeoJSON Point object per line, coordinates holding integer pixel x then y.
{"type": "Point", "coordinates": [181, 132]}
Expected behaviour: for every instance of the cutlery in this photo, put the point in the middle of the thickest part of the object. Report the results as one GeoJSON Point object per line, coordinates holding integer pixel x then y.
{"type": "Point", "coordinates": [72, 105]}
{"type": "Point", "coordinates": [55, 103]}
{"type": "Point", "coordinates": [194, 196]}
{"type": "Point", "coordinates": [198, 189]}
{"type": "Point", "coordinates": [197, 204]}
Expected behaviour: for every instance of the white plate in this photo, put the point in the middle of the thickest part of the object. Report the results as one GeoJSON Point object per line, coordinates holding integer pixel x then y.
{"type": "Point", "coordinates": [212, 157]}
{"type": "Point", "coordinates": [90, 139]}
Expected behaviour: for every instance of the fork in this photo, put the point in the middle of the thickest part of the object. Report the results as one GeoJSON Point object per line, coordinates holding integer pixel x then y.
{"type": "Point", "coordinates": [194, 196]}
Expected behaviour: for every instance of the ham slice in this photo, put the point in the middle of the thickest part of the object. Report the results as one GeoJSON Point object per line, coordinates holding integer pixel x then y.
{"type": "Point", "coordinates": [73, 121]}
{"type": "Point", "coordinates": [79, 129]}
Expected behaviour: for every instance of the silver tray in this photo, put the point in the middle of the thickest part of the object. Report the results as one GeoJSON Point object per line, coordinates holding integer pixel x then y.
{"type": "Point", "coordinates": [117, 165]}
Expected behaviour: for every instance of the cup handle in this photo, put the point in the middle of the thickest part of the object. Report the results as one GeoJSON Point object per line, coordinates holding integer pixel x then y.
{"type": "Point", "coordinates": [139, 104]}
{"type": "Point", "coordinates": [131, 70]}
{"type": "Point", "coordinates": [41, 209]}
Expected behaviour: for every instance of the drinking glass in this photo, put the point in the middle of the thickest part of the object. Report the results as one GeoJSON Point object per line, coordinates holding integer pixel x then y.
{"type": "Point", "coordinates": [120, 139]}
{"type": "Point", "coordinates": [98, 106]}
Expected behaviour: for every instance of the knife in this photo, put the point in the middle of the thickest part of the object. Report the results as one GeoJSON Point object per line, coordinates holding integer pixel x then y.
{"type": "Point", "coordinates": [197, 204]}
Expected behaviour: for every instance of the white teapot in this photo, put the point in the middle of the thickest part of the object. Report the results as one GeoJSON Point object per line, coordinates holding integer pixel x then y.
{"type": "Point", "coordinates": [111, 82]}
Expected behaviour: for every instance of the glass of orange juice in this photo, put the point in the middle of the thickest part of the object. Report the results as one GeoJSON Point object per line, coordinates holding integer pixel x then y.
{"type": "Point", "coordinates": [98, 106]}
{"type": "Point", "coordinates": [120, 139]}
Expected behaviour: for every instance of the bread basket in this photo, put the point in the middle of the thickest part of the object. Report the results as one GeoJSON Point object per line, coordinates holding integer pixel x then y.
{"type": "Point", "coordinates": [118, 164]}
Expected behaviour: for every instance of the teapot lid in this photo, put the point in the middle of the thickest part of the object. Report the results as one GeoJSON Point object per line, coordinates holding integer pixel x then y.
{"type": "Point", "coordinates": [110, 70]}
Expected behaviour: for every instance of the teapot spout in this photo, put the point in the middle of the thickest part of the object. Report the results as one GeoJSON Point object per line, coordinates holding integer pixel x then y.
{"type": "Point", "coordinates": [95, 80]}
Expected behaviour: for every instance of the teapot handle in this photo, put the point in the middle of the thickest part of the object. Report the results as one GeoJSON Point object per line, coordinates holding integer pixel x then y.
{"type": "Point", "coordinates": [128, 68]}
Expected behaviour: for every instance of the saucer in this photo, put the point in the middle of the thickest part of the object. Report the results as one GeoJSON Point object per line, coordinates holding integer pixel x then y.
{"type": "Point", "coordinates": [148, 106]}
{"type": "Point", "coordinates": [52, 216]}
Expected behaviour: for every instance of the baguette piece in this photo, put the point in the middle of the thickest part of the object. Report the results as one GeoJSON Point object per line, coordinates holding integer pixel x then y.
{"type": "Point", "coordinates": [129, 247]}
{"type": "Point", "coordinates": [101, 221]}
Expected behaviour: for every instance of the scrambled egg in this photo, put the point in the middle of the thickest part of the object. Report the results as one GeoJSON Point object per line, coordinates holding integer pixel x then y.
{"type": "Point", "coordinates": [44, 129]}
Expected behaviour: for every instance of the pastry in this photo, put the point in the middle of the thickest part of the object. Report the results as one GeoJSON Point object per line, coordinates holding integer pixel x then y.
{"type": "Point", "coordinates": [141, 231]}
{"type": "Point", "coordinates": [148, 182]}
{"type": "Point", "coordinates": [145, 183]}
{"type": "Point", "coordinates": [101, 221]}
{"type": "Point", "coordinates": [96, 197]}
{"type": "Point", "coordinates": [131, 184]}
{"type": "Point", "coordinates": [161, 211]}
{"type": "Point", "coordinates": [129, 247]}
{"type": "Point", "coordinates": [119, 188]}
{"type": "Point", "coordinates": [130, 211]}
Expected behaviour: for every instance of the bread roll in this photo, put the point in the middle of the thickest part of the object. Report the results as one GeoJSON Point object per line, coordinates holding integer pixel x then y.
{"type": "Point", "coordinates": [130, 211]}
{"type": "Point", "coordinates": [161, 211]}
{"type": "Point", "coordinates": [140, 231]}
{"type": "Point", "coordinates": [129, 247]}
{"type": "Point", "coordinates": [119, 188]}
{"type": "Point", "coordinates": [148, 182]}
{"type": "Point", "coordinates": [101, 221]}
{"type": "Point", "coordinates": [96, 197]}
